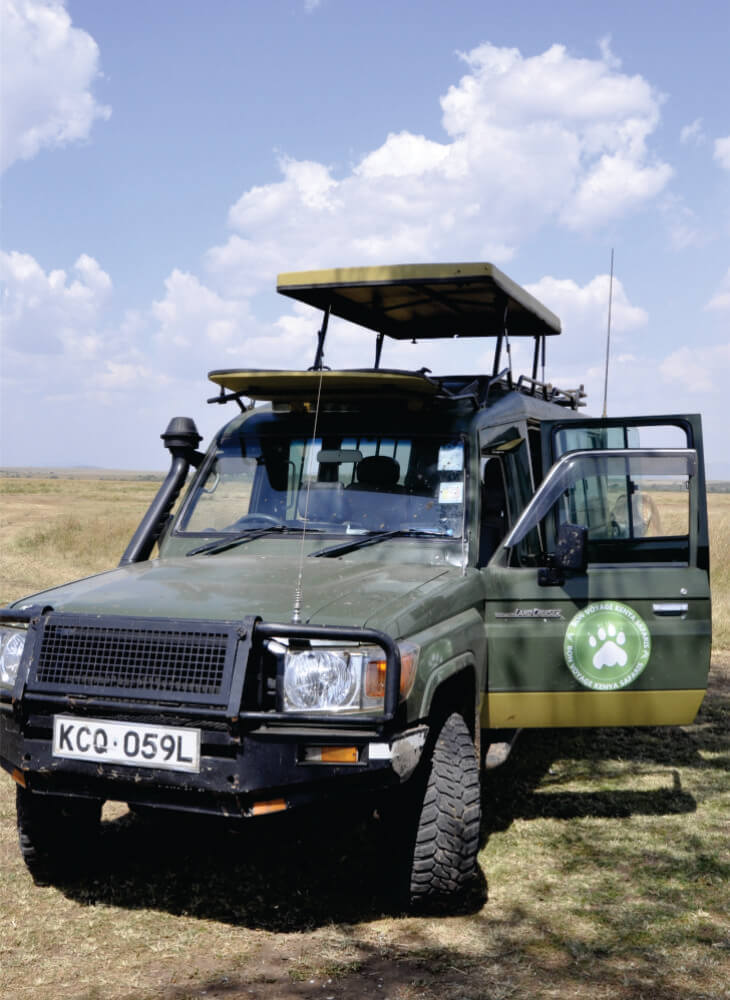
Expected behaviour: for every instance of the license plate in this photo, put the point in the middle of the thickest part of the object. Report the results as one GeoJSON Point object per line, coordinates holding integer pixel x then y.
{"type": "Point", "coordinates": [134, 743]}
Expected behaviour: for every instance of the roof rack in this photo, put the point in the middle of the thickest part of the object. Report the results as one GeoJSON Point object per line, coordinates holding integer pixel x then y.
{"type": "Point", "coordinates": [480, 388]}
{"type": "Point", "coordinates": [305, 386]}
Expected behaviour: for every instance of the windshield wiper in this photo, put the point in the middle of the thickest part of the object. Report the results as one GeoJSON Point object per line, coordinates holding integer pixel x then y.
{"type": "Point", "coordinates": [372, 538]}
{"type": "Point", "coordinates": [241, 537]}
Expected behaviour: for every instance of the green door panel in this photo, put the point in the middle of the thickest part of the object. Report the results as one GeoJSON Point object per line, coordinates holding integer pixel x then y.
{"type": "Point", "coordinates": [527, 626]}
{"type": "Point", "coordinates": [627, 640]}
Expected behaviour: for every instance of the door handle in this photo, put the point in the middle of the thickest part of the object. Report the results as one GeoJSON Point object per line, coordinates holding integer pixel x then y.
{"type": "Point", "coordinates": [671, 608]}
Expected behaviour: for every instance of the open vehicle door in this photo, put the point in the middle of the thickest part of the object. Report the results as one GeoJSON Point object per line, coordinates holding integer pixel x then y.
{"type": "Point", "coordinates": [598, 601]}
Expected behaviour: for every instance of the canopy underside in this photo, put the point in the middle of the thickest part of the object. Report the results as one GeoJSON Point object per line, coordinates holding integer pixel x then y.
{"type": "Point", "coordinates": [424, 301]}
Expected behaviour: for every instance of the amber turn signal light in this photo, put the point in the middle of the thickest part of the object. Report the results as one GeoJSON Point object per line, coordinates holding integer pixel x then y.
{"type": "Point", "coordinates": [375, 675]}
{"type": "Point", "coordinates": [272, 806]}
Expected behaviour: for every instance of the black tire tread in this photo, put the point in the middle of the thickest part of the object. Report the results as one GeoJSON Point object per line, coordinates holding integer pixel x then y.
{"type": "Point", "coordinates": [447, 836]}
{"type": "Point", "coordinates": [55, 833]}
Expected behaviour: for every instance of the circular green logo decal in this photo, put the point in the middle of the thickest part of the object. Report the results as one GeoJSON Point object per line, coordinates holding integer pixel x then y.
{"type": "Point", "coordinates": [606, 646]}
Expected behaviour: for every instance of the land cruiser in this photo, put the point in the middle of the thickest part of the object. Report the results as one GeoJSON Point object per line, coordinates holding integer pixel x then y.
{"type": "Point", "coordinates": [372, 580]}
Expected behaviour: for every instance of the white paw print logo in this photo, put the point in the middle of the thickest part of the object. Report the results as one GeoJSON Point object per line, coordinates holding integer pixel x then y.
{"type": "Point", "coordinates": [609, 653]}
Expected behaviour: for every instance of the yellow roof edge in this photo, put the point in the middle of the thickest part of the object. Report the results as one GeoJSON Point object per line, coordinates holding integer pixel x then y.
{"type": "Point", "coordinates": [294, 383]}
{"type": "Point", "coordinates": [289, 282]}
{"type": "Point", "coordinates": [385, 274]}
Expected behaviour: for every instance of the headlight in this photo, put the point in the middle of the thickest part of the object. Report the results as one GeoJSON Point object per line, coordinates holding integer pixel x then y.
{"type": "Point", "coordinates": [320, 679]}
{"type": "Point", "coordinates": [12, 641]}
{"type": "Point", "coordinates": [341, 680]}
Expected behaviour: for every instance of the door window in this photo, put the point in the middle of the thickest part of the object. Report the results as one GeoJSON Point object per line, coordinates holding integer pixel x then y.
{"type": "Point", "coordinates": [634, 504]}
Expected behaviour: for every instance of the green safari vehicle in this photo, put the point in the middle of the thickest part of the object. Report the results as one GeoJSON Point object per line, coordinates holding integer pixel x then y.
{"type": "Point", "coordinates": [373, 579]}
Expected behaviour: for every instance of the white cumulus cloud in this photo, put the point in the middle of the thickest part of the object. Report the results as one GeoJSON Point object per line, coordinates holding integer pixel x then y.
{"type": "Point", "coordinates": [722, 152]}
{"type": "Point", "coordinates": [699, 369]}
{"type": "Point", "coordinates": [49, 312]}
{"type": "Point", "coordinates": [721, 298]}
{"type": "Point", "coordinates": [48, 70]}
{"type": "Point", "coordinates": [692, 133]}
{"type": "Point", "coordinates": [585, 307]}
{"type": "Point", "coordinates": [529, 141]}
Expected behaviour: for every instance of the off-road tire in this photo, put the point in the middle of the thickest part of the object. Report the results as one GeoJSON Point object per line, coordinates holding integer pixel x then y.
{"type": "Point", "coordinates": [56, 834]}
{"type": "Point", "coordinates": [444, 856]}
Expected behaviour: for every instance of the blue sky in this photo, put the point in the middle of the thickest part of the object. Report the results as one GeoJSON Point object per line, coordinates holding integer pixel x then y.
{"type": "Point", "coordinates": [163, 161]}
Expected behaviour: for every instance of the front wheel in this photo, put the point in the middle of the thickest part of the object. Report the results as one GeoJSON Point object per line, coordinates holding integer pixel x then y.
{"type": "Point", "coordinates": [432, 824]}
{"type": "Point", "coordinates": [56, 833]}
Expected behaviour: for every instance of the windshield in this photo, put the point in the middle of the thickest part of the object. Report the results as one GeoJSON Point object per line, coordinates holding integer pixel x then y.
{"type": "Point", "coordinates": [352, 484]}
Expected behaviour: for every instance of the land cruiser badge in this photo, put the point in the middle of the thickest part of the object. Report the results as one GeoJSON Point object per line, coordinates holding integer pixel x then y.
{"type": "Point", "coordinates": [607, 645]}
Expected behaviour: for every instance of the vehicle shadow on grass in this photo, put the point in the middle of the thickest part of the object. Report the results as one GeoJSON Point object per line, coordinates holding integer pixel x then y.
{"type": "Point", "coordinates": [528, 786]}
{"type": "Point", "coordinates": [289, 873]}
{"type": "Point", "coordinates": [301, 871]}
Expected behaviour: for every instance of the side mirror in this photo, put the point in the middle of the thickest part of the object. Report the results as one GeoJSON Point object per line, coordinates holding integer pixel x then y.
{"type": "Point", "coordinates": [570, 554]}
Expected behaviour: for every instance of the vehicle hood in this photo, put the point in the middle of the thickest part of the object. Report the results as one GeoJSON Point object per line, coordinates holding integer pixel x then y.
{"type": "Point", "coordinates": [334, 591]}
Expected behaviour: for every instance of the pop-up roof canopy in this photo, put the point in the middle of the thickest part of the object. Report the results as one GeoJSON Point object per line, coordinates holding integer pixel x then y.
{"type": "Point", "coordinates": [424, 301]}
{"type": "Point", "coordinates": [407, 302]}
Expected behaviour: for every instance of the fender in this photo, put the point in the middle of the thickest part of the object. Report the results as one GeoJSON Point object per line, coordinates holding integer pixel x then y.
{"type": "Point", "coordinates": [465, 661]}
{"type": "Point", "coordinates": [447, 648]}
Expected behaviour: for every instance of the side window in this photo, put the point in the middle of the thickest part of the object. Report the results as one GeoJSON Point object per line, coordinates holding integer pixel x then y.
{"type": "Point", "coordinates": [576, 437]}
{"type": "Point", "coordinates": [535, 441]}
{"type": "Point", "coordinates": [493, 515]}
{"type": "Point", "coordinates": [632, 506]}
{"type": "Point", "coordinates": [636, 505]}
{"type": "Point", "coordinates": [587, 503]}
{"type": "Point", "coordinates": [506, 491]}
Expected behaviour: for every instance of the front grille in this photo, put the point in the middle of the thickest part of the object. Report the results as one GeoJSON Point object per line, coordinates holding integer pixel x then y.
{"type": "Point", "coordinates": [139, 658]}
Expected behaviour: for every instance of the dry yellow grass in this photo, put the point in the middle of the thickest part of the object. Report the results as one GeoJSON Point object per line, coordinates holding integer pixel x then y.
{"type": "Point", "coordinates": [719, 515]}
{"type": "Point", "coordinates": [605, 862]}
{"type": "Point", "coordinates": [54, 530]}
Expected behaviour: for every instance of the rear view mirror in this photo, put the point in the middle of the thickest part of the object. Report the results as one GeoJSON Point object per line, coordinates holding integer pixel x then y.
{"type": "Point", "coordinates": [338, 455]}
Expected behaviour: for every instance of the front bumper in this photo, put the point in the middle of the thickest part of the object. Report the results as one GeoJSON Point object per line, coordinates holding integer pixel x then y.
{"type": "Point", "coordinates": [252, 755]}
{"type": "Point", "coordinates": [239, 776]}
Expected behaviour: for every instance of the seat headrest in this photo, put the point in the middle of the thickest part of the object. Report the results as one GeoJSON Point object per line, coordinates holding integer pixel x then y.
{"type": "Point", "coordinates": [377, 470]}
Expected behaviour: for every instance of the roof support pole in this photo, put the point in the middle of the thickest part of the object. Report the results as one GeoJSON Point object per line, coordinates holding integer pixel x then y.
{"type": "Point", "coordinates": [544, 340]}
{"type": "Point", "coordinates": [497, 355]}
{"type": "Point", "coordinates": [505, 334]}
{"type": "Point", "coordinates": [503, 302]}
{"type": "Point", "coordinates": [321, 338]}
{"type": "Point", "coordinates": [535, 359]}
{"type": "Point", "coordinates": [378, 348]}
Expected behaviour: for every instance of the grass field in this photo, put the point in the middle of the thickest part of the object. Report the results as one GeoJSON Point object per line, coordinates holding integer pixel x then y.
{"type": "Point", "coordinates": [604, 869]}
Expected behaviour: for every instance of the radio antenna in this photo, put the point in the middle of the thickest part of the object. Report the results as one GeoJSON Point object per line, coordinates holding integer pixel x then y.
{"type": "Point", "coordinates": [608, 339]}
{"type": "Point", "coordinates": [296, 616]}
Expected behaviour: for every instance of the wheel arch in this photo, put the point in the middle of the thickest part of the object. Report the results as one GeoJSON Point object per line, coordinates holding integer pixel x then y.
{"type": "Point", "coordinates": [453, 687]}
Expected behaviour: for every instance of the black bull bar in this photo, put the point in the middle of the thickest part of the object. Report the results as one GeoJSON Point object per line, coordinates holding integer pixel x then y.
{"type": "Point", "coordinates": [64, 638]}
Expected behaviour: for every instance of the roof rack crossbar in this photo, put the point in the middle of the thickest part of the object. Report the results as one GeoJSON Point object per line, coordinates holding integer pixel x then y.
{"type": "Point", "coordinates": [500, 377]}
{"type": "Point", "coordinates": [551, 393]}
{"type": "Point", "coordinates": [431, 295]}
{"type": "Point", "coordinates": [228, 397]}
